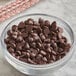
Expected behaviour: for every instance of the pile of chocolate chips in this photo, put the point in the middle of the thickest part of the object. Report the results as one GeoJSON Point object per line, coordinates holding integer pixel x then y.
{"type": "Point", "coordinates": [37, 42]}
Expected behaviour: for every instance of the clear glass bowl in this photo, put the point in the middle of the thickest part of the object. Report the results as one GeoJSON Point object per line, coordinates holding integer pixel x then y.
{"type": "Point", "coordinates": [39, 70]}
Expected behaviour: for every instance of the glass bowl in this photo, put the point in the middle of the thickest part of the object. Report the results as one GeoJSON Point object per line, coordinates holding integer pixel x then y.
{"type": "Point", "coordinates": [39, 70]}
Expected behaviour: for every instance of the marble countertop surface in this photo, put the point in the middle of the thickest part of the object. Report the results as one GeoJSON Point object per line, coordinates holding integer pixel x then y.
{"type": "Point", "coordinates": [51, 7]}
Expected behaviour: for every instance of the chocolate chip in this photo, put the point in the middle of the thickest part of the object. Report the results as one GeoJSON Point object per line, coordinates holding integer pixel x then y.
{"type": "Point", "coordinates": [47, 40]}
{"type": "Point", "coordinates": [36, 23]}
{"type": "Point", "coordinates": [14, 28]}
{"type": "Point", "coordinates": [47, 23]}
{"type": "Point", "coordinates": [53, 57]}
{"type": "Point", "coordinates": [19, 46]}
{"type": "Point", "coordinates": [6, 40]}
{"type": "Point", "coordinates": [28, 54]}
{"type": "Point", "coordinates": [33, 45]}
{"type": "Point", "coordinates": [37, 42]}
{"type": "Point", "coordinates": [19, 52]}
{"type": "Point", "coordinates": [24, 53]}
{"type": "Point", "coordinates": [9, 32]}
{"type": "Point", "coordinates": [60, 50]}
{"type": "Point", "coordinates": [21, 25]}
{"type": "Point", "coordinates": [33, 54]}
{"type": "Point", "coordinates": [49, 50]}
{"type": "Point", "coordinates": [53, 52]}
{"type": "Point", "coordinates": [39, 45]}
{"type": "Point", "coordinates": [67, 47]}
{"type": "Point", "coordinates": [19, 38]}
{"type": "Point", "coordinates": [65, 39]}
{"type": "Point", "coordinates": [40, 56]}
{"type": "Point", "coordinates": [23, 59]}
{"type": "Point", "coordinates": [27, 46]}
{"type": "Point", "coordinates": [41, 20]}
{"type": "Point", "coordinates": [37, 29]}
{"type": "Point", "coordinates": [53, 26]}
{"type": "Point", "coordinates": [45, 59]}
{"type": "Point", "coordinates": [28, 28]}
{"type": "Point", "coordinates": [43, 52]}
{"type": "Point", "coordinates": [42, 37]}
{"type": "Point", "coordinates": [14, 36]}
{"type": "Point", "coordinates": [24, 35]}
{"type": "Point", "coordinates": [22, 30]}
{"type": "Point", "coordinates": [35, 36]}
{"type": "Point", "coordinates": [30, 21]}
{"type": "Point", "coordinates": [31, 61]}
{"type": "Point", "coordinates": [46, 31]}
{"type": "Point", "coordinates": [59, 35]}
{"type": "Point", "coordinates": [11, 45]}
{"type": "Point", "coordinates": [60, 29]}
{"type": "Point", "coordinates": [31, 39]}
{"type": "Point", "coordinates": [11, 50]}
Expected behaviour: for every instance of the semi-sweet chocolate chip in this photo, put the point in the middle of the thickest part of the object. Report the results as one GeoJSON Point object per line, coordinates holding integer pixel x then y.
{"type": "Point", "coordinates": [37, 42]}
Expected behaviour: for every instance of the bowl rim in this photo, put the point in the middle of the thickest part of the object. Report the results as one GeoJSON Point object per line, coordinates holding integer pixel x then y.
{"type": "Point", "coordinates": [44, 66]}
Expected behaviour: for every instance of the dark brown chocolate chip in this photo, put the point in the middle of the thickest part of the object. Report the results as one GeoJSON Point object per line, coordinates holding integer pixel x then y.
{"type": "Point", "coordinates": [11, 45]}
{"type": "Point", "coordinates": [59, 29]}
{"type": "Point", "coordinates": [31, 39]}
{"type": "Point", "coordinates": [37, 42]}
{"type": "Point", "coordinates": [53, 26]}
{"type": "Point", "coordinates": [13, 54]}
{"type": "Point", "coordinates": [53, 58]}
{"type": "Point", "coordinates": [33, 54]}
{"type": "Point", "coordinates": [21, 25]}
{"type": "Point", "coordinates": [28, 54]}
{"type": "Point", "coordinates": [47, 23]}
{"type": "Point", "coordinates": [37, 29]}
{"type": "Point", "coordinates": [9, 32]}
{"type": "Point", "coordinates": [23, 53]}
{"type": "Point", "coordinates": [11, 50]}
{"type": "Point", "coordinates": [45, 59]}
{"type": "Point", "coordinates": [65, 39]}
{"type": "Point", "coordinates": [67, 47]}
{"type": "Point", "coordinates": [19, 46]}
{"type": "Point", "coordinates": [28, 28]}
{"type": "Point", "coordinates": [42, 37]}
{"type": "Point", "coordinates": [49, 50]}
{"type": "Point", "coordinates": [6, 40]}
{"type": "Point", "coordinates": [46, 31]}
{"type": "Point", "coordinates": [19, 52]}
{"type": "Point", "coordinates": [14, 35]}
{"type": "Point", "coordinates": [33, 45]}
{"type": "Point", "coordinates": [30, 21]}
{"type": "Point", "coordinates": [43, 52]}
{"type": "Point", "coordinates": [31, 61]}
{"type": "Point", "coordinates": [35, 36]}
{"type": "Point", "coordinates": [39, 45]}
{"type": "Point", "coordinates": [47, 40]}
{"type": "Point", "coordinates": [39, 55]}
{"type": "Point", "coordinates": [19, 38]}
{"type": "Point", "coordinates": [14, 28]}
{"type": "Point", "coordinates": [53, 52]}
{"type": "Point", "coordinates": [36, 23]}
{"type": "Point", "coordinates": [27, 46]}
{"type": "Point", "coordinates": [23, 59]}
{"type": "Point", "coordinates": [60, 50]}
{"type": "Point", "coordinates": [59, 35]}
{"type": "Point", "coordinates": [41, 20]}
{"type": "Point", "coordinates": [22, 30]}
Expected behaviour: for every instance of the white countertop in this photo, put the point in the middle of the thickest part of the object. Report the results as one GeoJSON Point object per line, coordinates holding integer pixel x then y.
{"type": "Point", "coordinates": [52, 8]}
